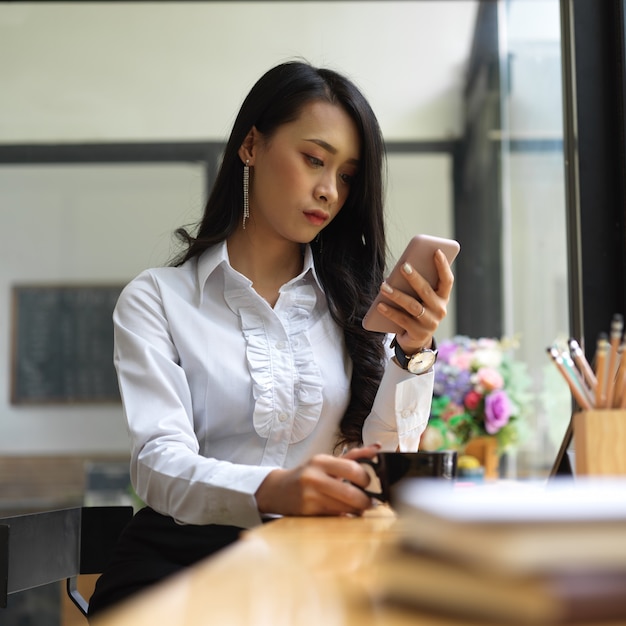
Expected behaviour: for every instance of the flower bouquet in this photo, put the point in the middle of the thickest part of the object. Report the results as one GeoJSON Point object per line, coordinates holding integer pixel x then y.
{"type": "Point", "coordinates": [480, 390]}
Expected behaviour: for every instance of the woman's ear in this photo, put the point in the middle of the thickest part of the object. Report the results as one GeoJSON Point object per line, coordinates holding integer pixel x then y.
{"type": "Point", "coordinates": [248, 148]}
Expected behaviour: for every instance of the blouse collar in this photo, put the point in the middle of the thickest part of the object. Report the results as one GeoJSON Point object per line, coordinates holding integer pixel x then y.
{"type": "Point", "coordinates": [217, 256]}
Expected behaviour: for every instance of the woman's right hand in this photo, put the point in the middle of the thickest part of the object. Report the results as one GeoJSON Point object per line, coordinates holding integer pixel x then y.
{"type": "Point", "coordinates": [325, 485]}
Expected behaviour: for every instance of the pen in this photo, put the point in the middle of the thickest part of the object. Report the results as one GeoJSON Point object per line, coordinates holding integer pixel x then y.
{"type": "Point", "coordinates": [602, 350]}
{"type": "Point", "coordinates": [578, 356]}
{"type": "Point", "coordinates": [572, 381]}
{"type": "Point", "coordinates": [615, 337]}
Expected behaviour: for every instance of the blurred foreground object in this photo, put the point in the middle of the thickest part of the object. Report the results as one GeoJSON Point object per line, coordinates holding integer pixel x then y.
{"type": "Point", "coordinates": [515, 553]}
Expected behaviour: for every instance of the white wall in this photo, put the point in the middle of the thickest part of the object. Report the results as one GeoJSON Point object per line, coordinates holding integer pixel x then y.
{"type": "Point", "coordinates": [73, 72]}
{"type": "Point", "coordinates": [175, 70]}
{"type": "Point", "coordinates": [419, 200]}
{"type": "Point", "coordinates": [90, 224]}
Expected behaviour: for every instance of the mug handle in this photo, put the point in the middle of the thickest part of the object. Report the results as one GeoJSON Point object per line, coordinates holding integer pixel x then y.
{"type": "Point", "coordinates": [371, 466]}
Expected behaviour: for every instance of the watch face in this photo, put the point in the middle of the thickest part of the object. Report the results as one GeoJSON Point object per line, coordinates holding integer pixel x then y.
{"type": "Point", "coordinates": [421, 362]}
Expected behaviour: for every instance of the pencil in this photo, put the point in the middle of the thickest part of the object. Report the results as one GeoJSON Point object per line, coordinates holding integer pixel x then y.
{"type": "Point", "coordinates": [615, 337]}
{"type": "Point", "coordinates": [602, 350]}
{"type": "Point", "coordinates": [577, 392]}
{"type": "Point", "coordinates": [620, 377]}
{"type": "Point", "coordinates": [575, 375]}
{"type": "Point", "coordinates": [578, 356]}
{"type": "Point", "coordinates": [620, 402]}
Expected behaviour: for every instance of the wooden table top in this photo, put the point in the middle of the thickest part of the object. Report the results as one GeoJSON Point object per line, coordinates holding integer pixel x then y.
{"type": "Point", "coordinates": [295, 571]}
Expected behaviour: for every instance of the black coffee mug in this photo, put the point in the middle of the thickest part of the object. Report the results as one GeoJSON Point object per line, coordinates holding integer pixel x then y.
{"type": "Point", "coordinates": [388, 468]}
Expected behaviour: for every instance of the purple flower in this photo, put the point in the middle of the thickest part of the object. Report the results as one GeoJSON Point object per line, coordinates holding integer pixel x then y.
{"type": "Point", "coordinates": [445, 350]}
{"type": "Point", "coordinates": [498, 410]}
{"type": "Point", "coordinates": [451, 382]}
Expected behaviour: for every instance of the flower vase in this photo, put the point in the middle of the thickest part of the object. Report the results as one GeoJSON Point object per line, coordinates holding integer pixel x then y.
{"type": "Point", "coordinates": [485, 449]}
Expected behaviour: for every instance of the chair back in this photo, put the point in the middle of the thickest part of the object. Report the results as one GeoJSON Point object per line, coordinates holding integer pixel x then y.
{"type": "Point", "coordinates": [40, 548]}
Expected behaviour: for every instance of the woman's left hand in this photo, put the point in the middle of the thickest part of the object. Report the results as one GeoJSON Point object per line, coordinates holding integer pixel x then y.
{"type": "Point", "coordinates": [419, 318]}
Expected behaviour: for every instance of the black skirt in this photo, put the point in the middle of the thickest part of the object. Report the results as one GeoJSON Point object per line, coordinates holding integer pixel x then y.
{"type": "Point", "coordinates": [151, 548]}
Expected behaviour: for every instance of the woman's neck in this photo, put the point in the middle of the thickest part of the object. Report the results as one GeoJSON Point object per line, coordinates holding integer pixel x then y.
{"type": "Point", "coordinates": [269, 265]}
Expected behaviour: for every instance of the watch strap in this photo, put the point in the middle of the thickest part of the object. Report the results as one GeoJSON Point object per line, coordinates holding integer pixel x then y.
{"type": "Point", "coordinates": [403, 358]}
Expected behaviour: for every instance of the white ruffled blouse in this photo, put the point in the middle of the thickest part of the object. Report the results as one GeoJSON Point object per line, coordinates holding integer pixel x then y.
{"type": "Point", "coordinates": [219, 388]}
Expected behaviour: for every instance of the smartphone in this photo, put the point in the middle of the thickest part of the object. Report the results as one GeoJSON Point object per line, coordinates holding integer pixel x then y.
{"type": "Point", "coordinates": [420, 254]}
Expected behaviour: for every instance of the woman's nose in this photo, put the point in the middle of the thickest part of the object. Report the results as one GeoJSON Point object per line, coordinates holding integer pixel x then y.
{"type": "Point", "coordinates": [326, 190]}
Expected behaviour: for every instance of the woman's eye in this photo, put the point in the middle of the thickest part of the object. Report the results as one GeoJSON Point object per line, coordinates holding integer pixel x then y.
{"type": "Point", "coordinates": [346, 178]}
{"type": "Point", "coordinates": [314, 160]}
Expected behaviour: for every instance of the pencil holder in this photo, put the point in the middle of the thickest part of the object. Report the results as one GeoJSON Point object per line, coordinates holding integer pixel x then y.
{"type": "Point", "coordinates": [600, 442]}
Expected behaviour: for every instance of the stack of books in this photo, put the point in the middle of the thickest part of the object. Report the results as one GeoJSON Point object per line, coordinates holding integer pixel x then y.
{"type": "Point", "coordinates": [511, 553]}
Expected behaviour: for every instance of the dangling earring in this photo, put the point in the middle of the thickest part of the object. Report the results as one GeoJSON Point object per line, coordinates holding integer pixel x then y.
{"type": "Point", "coordinates": [246, 191]}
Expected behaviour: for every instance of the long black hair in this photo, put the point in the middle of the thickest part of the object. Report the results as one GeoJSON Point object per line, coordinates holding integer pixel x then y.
{"type": "Point", "coordinates": [349, 253]}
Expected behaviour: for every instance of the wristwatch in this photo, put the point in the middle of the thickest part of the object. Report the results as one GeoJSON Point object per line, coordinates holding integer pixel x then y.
{"type": "Point", "coordinates": [418, 363]}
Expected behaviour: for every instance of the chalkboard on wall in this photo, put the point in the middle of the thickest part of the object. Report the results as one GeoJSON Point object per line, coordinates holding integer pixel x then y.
{"type": "Point", "coordinates": [62, 344]}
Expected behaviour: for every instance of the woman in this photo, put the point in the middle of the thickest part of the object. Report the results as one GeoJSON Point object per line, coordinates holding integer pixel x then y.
{"type": "Point", "coordinates": [244, 367]}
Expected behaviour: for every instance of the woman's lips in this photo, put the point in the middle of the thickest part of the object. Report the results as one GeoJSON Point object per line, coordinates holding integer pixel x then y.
{"type": "Point", "coordinates": [317, 218]}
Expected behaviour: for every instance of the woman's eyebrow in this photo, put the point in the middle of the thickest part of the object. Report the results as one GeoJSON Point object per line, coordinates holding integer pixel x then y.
{"type": "Point", "coordinates": [329, 148]}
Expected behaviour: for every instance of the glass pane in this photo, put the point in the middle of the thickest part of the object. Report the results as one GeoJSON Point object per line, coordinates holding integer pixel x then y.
{"type": "Point", "coordinates": [535, 282]}
{"type": "Point", "coordinates": [470, 89]}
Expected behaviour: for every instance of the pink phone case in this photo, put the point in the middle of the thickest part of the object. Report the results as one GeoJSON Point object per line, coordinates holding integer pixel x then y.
{"type": "Point", "coordinates": [420, 254]}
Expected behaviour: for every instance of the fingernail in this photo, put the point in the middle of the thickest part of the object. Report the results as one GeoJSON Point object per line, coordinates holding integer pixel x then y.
{"type": "Point", "coordinates": [377, 445]}
{"type": "Point", "coordinates": [386, 288]}
{"type": "Point", "coordinates": [382, 307]}
{"type": "Point", "coordinates": [407, 268]}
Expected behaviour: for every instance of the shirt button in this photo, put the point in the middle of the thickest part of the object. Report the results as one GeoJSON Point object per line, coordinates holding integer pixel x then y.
{"type": "Point", "coordinates": [282, 417]}
{"type": "Point", "coordinates": [281, 345]}
{"type": "Point", "coordinates": [406, 413]}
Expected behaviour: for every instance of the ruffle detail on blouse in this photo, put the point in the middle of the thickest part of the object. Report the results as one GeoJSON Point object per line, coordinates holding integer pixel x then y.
{"type": "Point", "coordinates": [280, 358]}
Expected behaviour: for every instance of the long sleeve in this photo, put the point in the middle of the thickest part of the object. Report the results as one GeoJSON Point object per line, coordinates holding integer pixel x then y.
{"type": "Point", "coordinates": [401, 410]}
{"type": "Point", "coordinates": [167, 469]}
